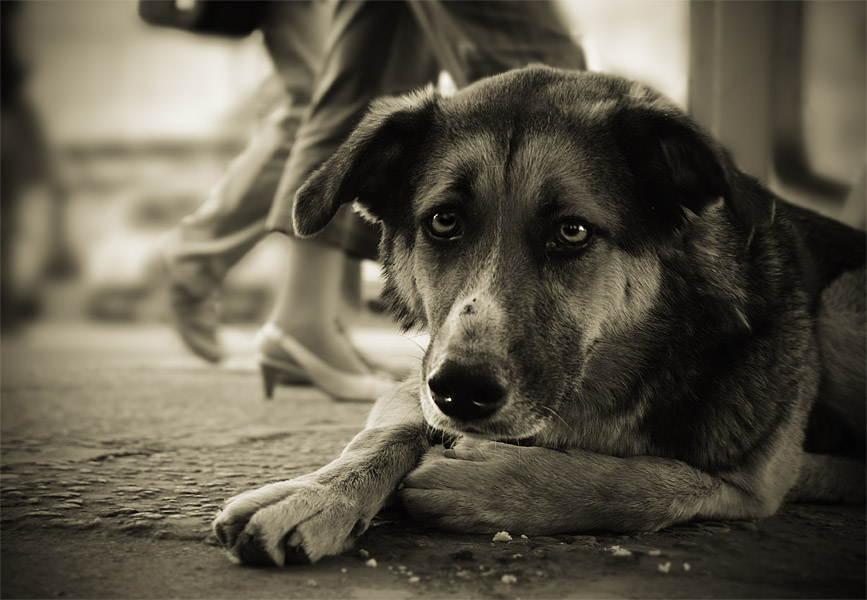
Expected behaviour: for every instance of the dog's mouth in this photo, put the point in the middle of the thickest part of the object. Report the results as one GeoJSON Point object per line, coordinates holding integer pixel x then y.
{"type": "Point", "coordinates": [495, 434]}
{"type": "Point", "coordinates": [514, 441]}
{"type": "Point", "coordinates": [449, 440]}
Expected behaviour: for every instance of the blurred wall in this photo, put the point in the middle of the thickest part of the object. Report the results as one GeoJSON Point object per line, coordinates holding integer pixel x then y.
{"type": "Point", "coordinates": [139, 117]}
{"type": "Point", "coordinates": [100, 73]}
{"type": "Point", "coordinates": [143, 119]}
{"type": "Point", "coordinates": [647, 40]}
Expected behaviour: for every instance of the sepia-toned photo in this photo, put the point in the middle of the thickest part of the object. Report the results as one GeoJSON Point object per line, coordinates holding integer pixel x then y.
{"type": "Point", "coordinates": [375, 299]}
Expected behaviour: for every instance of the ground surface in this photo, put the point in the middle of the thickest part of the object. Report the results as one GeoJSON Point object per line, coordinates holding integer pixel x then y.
{"type": "Point", "coordinates": [118, 448]}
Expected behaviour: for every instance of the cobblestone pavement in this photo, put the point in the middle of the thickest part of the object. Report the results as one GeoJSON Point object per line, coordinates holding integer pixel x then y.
{"type": "Point", "coordinates": [118, 449]}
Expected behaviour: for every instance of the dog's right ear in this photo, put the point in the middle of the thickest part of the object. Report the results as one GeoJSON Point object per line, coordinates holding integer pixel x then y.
{"type": "Point", "coordinates": [372, 165]}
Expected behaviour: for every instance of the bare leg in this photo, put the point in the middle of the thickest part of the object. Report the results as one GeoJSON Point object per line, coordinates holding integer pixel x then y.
{"type": "Point", "coordinates": [309, 303]}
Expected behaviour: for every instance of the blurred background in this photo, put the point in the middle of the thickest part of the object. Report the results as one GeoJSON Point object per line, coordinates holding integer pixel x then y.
{"type": "Point", "coordinates": [113, 130]}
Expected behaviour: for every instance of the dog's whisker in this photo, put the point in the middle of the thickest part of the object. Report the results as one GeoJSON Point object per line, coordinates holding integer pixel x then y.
{"type": "Point", "coordinates": [561, 419]}
{"type": "Point", "coordinates": [420, 347]}
{"type": "Point", "coordinates": [405, 355]}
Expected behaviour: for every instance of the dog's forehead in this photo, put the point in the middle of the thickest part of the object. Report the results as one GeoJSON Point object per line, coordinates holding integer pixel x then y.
{"type": "Point", "coordinates": [542, 158]}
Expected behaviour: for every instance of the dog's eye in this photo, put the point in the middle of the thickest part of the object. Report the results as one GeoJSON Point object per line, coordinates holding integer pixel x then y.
{"type": "Point", "coordinates": [445, 225]}
{"type": "Point", "coordinates": [572, 234]}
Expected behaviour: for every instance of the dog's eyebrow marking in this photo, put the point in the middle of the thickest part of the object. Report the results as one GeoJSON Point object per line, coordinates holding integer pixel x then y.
{"type": "Point", "coordinates": [552, 201]}
{"type": "Point", "coordinates": [462, 163]}
{"type": "Point", "coordinates": [454, 187]}
{"type": "Point", "coordinates": [461, 185]}
{"type": "Point", "coordinates": [569, 195]}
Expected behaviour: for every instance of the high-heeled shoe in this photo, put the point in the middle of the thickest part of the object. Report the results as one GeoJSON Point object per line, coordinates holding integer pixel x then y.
{"type": "Point", "coordinates": [284, 360]}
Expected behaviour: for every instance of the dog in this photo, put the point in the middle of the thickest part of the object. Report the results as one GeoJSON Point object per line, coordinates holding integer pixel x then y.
{"type": "Point", "coordinates": [626, 331]}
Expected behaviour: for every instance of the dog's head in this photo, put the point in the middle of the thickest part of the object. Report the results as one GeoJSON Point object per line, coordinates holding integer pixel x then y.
{"type": "Point", "coordinates": [525, 224]}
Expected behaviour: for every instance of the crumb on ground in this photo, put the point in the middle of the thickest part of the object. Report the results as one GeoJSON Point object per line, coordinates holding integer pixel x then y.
{"type": "Point", "coordinates": [502, 536]}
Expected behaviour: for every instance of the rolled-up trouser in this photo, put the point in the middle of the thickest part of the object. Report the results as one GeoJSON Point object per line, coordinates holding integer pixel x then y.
{"type": "Point", "coordinates": [231, 219]}
{"type": "Point", "coordinates": [376, 48]}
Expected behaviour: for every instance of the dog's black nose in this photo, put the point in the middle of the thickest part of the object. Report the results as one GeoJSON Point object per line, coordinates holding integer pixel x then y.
{"type": "Point", "coordinates": [466, 392]}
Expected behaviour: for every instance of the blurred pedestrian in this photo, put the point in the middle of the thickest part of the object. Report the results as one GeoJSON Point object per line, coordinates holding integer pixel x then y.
{"type": "Point", "coordinates": [32, 250]}
{"type": "Point", "coordinates": [231, 220]}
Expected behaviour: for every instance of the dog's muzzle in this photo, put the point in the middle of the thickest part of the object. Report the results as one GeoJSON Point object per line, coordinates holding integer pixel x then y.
{"type": "Point", "coordinates": [466, 391]}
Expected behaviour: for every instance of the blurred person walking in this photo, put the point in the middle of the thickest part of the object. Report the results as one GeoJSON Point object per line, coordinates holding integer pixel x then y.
{"type": "Point", "coordinates": [371, 49]}
{"type": "Point", "coordinates": [34, 245]}
{"type": "Point", "coordinates": [206, 244]}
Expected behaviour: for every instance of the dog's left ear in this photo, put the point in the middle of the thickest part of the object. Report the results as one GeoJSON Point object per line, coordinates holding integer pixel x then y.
{"type": "Point", "coordinates": [676, 166]}
{"type": "Point", "coordinates": [372, 165]}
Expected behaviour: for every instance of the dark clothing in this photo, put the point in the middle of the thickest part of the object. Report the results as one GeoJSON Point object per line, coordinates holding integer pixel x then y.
{"type": "Point", "coordinates": [370, 49]}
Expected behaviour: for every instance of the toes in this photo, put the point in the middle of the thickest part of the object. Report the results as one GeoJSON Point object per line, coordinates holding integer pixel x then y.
{"type": "Point", "coordinates": [467, 450]}
{"type": "Point", "coordinates": [251, 551]}
{"type": "Point", "coordinates": [273, 530]}
{"type": "Point", "coordinates": [288, 524]}
{"type": "Point", "coordinates": [230, 523]}
{"type": "Point", "coordinates": [295, 553]}
{"type": "Point", "coordinates": [480, 450]}
{"type": "Point", "coordinates": [228, 526]}
{"type": "Point", "coordinates": [226, 531]}
{"type": "Point", "coordinates": [328, 533]}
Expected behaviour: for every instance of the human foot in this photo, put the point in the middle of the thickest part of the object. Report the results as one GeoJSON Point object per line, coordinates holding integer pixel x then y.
{"type": "Point", "coordinates": [193, 304]}
{"type": "Point", "coordinates": [284, 356]}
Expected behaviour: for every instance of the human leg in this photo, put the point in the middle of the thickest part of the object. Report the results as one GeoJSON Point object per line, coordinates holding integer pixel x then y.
{"type": "Point", "coordinates": [198, 253]}
{"type": "Point", "coordinates": [361, 42]}
{"type": "Point", "coordinates": [206, 244]}
{"type": "Point", "coordinates": [312, 289]}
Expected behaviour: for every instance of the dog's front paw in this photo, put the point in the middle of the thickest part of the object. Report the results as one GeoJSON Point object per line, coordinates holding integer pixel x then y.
{"type": "Point", "coordinates": [295, 521]}
{"type": "Point", "coordinates": [476, 487]}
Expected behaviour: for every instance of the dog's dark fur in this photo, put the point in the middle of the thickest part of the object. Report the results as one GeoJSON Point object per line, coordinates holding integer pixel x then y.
{"type": "Point", "coordinates": [662, 370]}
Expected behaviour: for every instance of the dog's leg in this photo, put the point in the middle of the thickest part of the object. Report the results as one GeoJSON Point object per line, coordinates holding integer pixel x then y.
{"type": "Point", "coordinates": [826, 478]}
{"type": "Point", "coordinates": [838, 422]}
{"type": "Point", "coordinates": [487, 486]}
{"type": "Point", "coordinates": [320, 514]}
